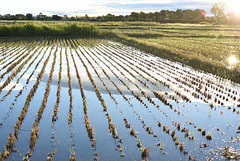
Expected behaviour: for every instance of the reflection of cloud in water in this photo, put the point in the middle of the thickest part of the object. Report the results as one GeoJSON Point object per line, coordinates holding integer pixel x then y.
{"type": "Point", "coordinates": [87, 85]}
{"type": "Point", "coordinates": [10, 85]}
{"type": "Point", "coordinates": [26, 76]}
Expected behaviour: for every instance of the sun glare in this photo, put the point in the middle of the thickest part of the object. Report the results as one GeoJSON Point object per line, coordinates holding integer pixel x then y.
{"type": "Point", "coordinates": [232, 60]}
{"type": "Point", "coordinates": [234, 6]}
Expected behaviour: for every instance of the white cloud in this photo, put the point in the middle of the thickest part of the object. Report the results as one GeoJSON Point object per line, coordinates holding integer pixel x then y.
{"type": "Point", "coordinates": [92, 7]}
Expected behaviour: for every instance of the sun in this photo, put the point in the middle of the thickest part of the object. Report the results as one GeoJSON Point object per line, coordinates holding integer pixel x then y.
{"type": "Point", "coordinates": [232, 60]}
{"type": "Point", "coordinates": [233, 6]}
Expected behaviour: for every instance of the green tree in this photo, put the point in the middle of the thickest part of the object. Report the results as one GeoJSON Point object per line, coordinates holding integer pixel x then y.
{"type": "Point", "coordinates": [134, 16]}
{"type": "Point", "coordinates": [179, 14]}
{"type": "Point", "coordinates": [142, 16]}
{"type": "Point", "coordinates": [110, 17]}
{"type": "Point", "coordinates": [41, 16]}
{"type": "Point", "coordinates": [163, 14]}
{"type": "Point", "coordinates": [29, 16]}
{"type": "Point", "coordinates": [218, 11]}
{"type": "Point", "coordinates": [86, 17]}
{"type": "Point", "coordinates": [56, 17]}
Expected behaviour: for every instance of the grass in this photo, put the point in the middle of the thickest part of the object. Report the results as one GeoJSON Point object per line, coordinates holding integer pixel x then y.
{"type": "Point", "coordinates": [32, 29]}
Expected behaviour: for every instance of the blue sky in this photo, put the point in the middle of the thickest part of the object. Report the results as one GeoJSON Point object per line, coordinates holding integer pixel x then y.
{"type": "Point", "coordinates": [101, 7]}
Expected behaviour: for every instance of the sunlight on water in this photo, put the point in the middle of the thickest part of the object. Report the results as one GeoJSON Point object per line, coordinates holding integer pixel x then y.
{"type": "Point", "coordinates": [232, 60]}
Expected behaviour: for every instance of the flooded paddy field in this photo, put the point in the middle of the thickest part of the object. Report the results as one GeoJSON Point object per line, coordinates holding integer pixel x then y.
{"type": "Point", "coordinates": [94, 99]}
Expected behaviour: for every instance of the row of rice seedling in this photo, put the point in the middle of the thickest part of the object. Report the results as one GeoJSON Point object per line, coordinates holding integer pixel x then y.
{"type": "Point", "coordinates": [9, 147]}
{"type": "Point", "coordinates": [234, 110]}
{"type": "Point", "coordinates": [16, 55]}
{"type": "Point", "coordinates": [148, 129]}
{"type": "Point", "coordinates": [154, 78]}
{"type": "Point", "coordinates": [20, 67]}
{"type": "Point", "coordinates": [197, 61]}
{"type": "Point", "coordinates": [9, 92]}
{"type": "Point", "coordinates": [106, 65]}
{"type": "Point", "coordinates": [69, 85]}
{"type": "Point", "coordinates": [206, 136]}
{"type": "Point", "coordinates": [55, 111]}
{"type": "Point", "coordinates": [104, 84]}
{"type": "Point", "coordinates": [88, 125]}
{"type": "Point", "coordinates": [121, 73]}
{"type": "Point", "coordinates": [186, 79]}
{"type": "Point", "coordinates": [154, 92]}
{"type": "Point", "coordinates": [31, 75]}
{"type": "Point", "coordinates": [205, 84]}
{"type": "Point", "coordinates": [156, 69]}
{"type": "Point", "coordinates": [150, 67]}
{"type": "Point", "coordinates": [6, 47]}
{"type": "Point", "coordinates": [21, 46]}
{"type": "Point", "coordinates": [93, 82]}
{"type": "Point", "coordinates": [203, 91]}
{"type": "Point", "coordinates": [185, 82]}
{"type": "Point", "coordinates": [154, 84]}
{"type": "Point", "coordinates": [187, 130]}
{"type": "Point", "coordinates": [112, 127]}
{"type": "Point", "coordinates": [34, 132]}
{"type": "Point", "coordinates": [21, 57]}
{"type": "Point", "coordinates": [206, 91]}
{"type": "Point", "coordinates": [144, 151]}
{"type": "Point", "coordinates": [6, 152]}
{"type": "Point", "coordinates": [113, 98]}
{"type": "Point", "coordinates": [24, 87]}
{"type": "Point", "coordinates": [56, 106]}
{"type": "Point", "coordinates": [142, 92]}
{"type": "Point", "coordinates": [72, 155]}
{"type": "Point", "coordinates": [136, 72]}
{"type": "Point", "coordinates": [132, 131]}
{"type": "Point", "coordinates": [6, 52]}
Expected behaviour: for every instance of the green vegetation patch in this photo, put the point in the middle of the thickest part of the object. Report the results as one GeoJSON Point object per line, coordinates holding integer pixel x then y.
{"type": "Point", "coordinates": [59, 29]}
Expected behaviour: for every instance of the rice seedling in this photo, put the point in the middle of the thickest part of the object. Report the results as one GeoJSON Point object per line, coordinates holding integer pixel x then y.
{"type": "Point", "coordinates": [140, 85]}
{"type": "Point", "coordinates": [144, 152]}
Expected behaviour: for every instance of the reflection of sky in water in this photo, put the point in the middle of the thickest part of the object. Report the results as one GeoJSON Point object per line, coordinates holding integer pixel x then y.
{"type": "Point", "coordinates": [26, 76]}
{"type": "Point", "coordinates": [87, 85]}
{"type": "Point", "coordinates": [10, 85]}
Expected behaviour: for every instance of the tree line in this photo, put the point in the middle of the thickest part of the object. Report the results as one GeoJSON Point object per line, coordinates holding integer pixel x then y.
{"type": "Point", "coordinates": [163, 15]}
{"type": "Point", "coordinates": [178, 16]}
{"type": "Point", "coordinates": [42, 17]}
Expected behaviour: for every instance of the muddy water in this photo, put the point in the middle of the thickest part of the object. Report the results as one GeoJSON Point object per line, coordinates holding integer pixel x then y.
{"type": "Point", "coordinates": [195, 100]}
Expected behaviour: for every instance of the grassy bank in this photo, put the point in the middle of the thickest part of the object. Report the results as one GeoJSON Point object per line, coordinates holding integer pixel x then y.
{"type": "Point", "coordinates": [31, 29]}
